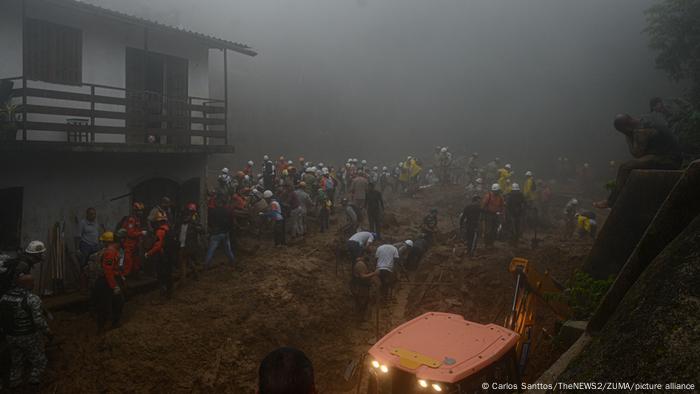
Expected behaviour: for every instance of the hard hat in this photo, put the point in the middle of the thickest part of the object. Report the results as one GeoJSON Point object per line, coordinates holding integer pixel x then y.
{"type": "Point", "coordinates": [374, 235]}
{"type": "Point", "coordinates": [574, 201]}
{"type": "Point", "coordinates": [285, 172]}
{"type": "Point", "coordinates": [321, 165]}
{"type": "Point", "coordinates": [384, 168]}
{"type": "Point", "coordinates": [430, 170]}
{"type": "Point", "coordinates": [267, 194]}
{"type": "Point", "coordinates": [528, 173]}
{"type": "Point", "coordinates": [515, 187]}
{"type": "Point", "coordinates": [443, 150]}
{"type": "Point", "coordinates": [349, 161]}
{"type": "Point", "coordinates": [479, 180]}
{"type": "Point", "coordinates": [107, 236]}
{"type": "Point", "coordinates": [266, 157]}
{"type": "Point", "coordinates": [247, 177]}
{"type": "Point", "coordinates": [324, 170]}
{"type": "Point", "coordinates": [347, 164]}
{"type": "Point", "coordinates": [508, 166]}
{"type": "Point", "coordinates": [309, 169]}
{"type": "Point", "coordinates": [240, 174]}
{"type": "Point", "coordinates": [408, 242]}
{"type": "Point", "coordinates": [224, 170]}
{"type": "Point", "coordinates": [160, 217]}
{"type": "Point", "coordinates": [400, 164]}
{"type": "Point", "coordinates": [302, 184]}
{"type": "Point", "coordinates": [364, 161]}
{"type": "Point", "coordinates": [191, 206]}
{"type": "Point", "coordinates": [301, 158]}
{"type": "Point", "coordinates": [409, 158]}
{"type": "Point", "coordinates": [121, 233]}
{"type": "Point", "coordinates": [250, 163]}
{"type": "Point", "coordinates": [314, 169]}
{"type": "Point", "coordinates": [138, 206]}
{"type": "Point", "coordinates": [290, 162]}
{"type": "Point", "coordinates": [475, 154]}
{"type": "Point", "coordinates": [281, 158]}
{"type": "Point", "coordinates": [495, 187]}
{"type": "Point", "coordinates": [375, 168]}
{"type": "Point", "coordinates": [35, 247]}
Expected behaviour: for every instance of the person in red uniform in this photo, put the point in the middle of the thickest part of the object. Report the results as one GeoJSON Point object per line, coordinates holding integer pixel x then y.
{"type": "Point", "coordinates": [161, 256]}
{"type": "Point", "coordinates": [134, 233]}
{"type": "Point", "coordinates": [248, 169]}
{"type": "Point", "coordinates": [109, 298]}
{"type": "Point", "coordinates": [493, 206]}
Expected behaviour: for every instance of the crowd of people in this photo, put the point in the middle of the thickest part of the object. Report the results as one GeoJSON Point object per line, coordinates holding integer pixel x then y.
{"type": "Point", "coordinates": [278, 197]}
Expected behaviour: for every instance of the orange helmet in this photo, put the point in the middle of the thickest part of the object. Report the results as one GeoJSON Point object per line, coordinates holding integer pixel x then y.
{"type": "Point", "coordinates": [240, 174]}
{"type": "Point", "coordinates": [160, 217]}
{"type": "Point", "coordinates": [138, 206]}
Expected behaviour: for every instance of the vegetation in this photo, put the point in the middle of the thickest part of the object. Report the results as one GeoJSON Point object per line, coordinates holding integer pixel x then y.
{"type": "Point", "coordinates": [584, 294]}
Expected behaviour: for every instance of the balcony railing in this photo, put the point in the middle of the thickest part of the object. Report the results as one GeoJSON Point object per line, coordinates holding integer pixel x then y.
{"type": "Point", "coordinates": [91, 113]}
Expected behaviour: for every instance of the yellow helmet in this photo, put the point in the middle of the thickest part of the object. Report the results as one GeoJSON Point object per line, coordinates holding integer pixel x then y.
{"type": "Point", "coordinates": [107, 236]}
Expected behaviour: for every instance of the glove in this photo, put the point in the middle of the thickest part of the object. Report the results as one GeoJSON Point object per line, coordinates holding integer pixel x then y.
{"type": "Point", "coordinates": [117, 290]}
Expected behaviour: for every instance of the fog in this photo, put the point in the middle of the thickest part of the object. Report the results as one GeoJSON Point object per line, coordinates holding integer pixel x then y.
{"type": "Point", "coordinates": [378, 79]}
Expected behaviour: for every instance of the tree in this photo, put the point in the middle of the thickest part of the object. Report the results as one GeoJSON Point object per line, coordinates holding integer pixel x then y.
{"type": "Point", "coordinates": [674, 29]}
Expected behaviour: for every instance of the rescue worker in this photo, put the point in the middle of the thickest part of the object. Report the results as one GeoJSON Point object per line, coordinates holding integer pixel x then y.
{"type": "Point", "coordinates": [444, 162]}
{"type": "Point", "coordinates": [387, 256]}
{"type": "Point", "coordinates": [652, 145]}
{"type": "Point", "coordinates": [374, 204]}
{"type": "Point", "coordinates": [23, 325]}
{"type": "Point", "coordinates": [23, 264]}
{"type": "Point", "coordinates": [328, 184]}
{"type": "Point", "coordinates": [504, 175]}
{"type": "Point", "coordinates": [515, 209]}
{"type": "Point", "coordinates": [430, 225]}
{"type": "Point", "coordinates": [134, 235]}
{"type": "Point", "coordinates": [268, 173]}
{"type": "Point", "coordinates": [249, 168]}
{"type": "Point", "coordinates": [274, 213]}
{"type": "Point", "coordinates": [469, 224]}
{"type": "Point", "coordinates": [351, 225]}
{"type": "Point", "coordinates": [109, 284]}
{"type": "Point", "coordinates": [492, 206]}
{"type": "Point", "coordinates": [358, 193]}
{"type": "Point", "coordinates": [529, 187]}
{"type": "Point", "coordinates": [358, 243]}
{"type": "Point", "coordinates": [163, 208]}
{"type": "Point", "coordinates": [299, 214]}
{"type": "Point", "coordinates": [190, 232]}
{"type": "Point", "coordinates": [160, 256]}
{"type": "Point", "coordinates": [586, 224]}
{"type": "Point", "coordinates": [323, 203]}
{"type": "Point", "coordinates": [88, 235]}
{"type": "Point", "coordinates": [570, 210]}
{"type": "Point", "coordinates": [220, 227]}
{"type": "Point", "coordinates": [361, 283]}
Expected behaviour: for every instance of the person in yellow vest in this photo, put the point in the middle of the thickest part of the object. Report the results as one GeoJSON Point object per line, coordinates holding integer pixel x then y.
{"type": "Point", "coordinates": [529, 187]}
{"type": "Point", "coordinates": [504, 175]}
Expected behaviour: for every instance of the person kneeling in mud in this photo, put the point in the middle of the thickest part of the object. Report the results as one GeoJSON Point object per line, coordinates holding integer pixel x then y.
{"type": "Point", "coordinates": [361, 283]}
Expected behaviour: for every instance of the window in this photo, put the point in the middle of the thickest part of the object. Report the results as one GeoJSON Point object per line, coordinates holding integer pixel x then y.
{"type": "Point", "coordinates": [53, 53]}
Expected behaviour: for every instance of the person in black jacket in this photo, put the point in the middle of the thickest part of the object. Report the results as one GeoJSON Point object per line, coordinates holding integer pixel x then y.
{"type": "Point", "coordinates": [220, 225]}
{"type": "Point", "coordinates": [515, 208]}
{"type": "Point", "coordinates": [374, 203]}
{"type": "Point", "coordinates": [469, 224]}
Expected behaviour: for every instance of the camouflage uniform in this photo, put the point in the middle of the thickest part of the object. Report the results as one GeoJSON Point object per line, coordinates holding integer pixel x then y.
{"type": "Point", "coordinates": [24, 324]}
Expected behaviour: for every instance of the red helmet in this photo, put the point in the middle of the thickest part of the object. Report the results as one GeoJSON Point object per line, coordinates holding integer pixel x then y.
{"type": "Point", "coordinates": [192, 207]}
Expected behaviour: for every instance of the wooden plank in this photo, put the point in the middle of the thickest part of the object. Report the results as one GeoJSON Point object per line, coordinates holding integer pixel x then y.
{"type": "Point", "coordinates": [207, 109]}
{"type": "Point", "coordinates": [65, 111]}
{"type": "Point", "coordinates": [209, 121]}
{"type": "Point", "coordinates": [55, 94]}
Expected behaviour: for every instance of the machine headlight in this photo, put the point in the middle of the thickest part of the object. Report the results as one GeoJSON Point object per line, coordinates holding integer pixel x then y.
{"type": "Point", "coordinates": [422, 383]}
{"type": "Point", "coordinates": [437, 387]}
{"type": "Point", "coordinates": [375, 364]}
{"type": "Point", "coordinates": [384, 368]}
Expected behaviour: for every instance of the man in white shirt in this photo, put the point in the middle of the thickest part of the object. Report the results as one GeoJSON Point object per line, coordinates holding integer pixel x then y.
{"type": "Point", "coordinates": [387, 256]}
{"type": "Point", "coordinates": [358, 243]}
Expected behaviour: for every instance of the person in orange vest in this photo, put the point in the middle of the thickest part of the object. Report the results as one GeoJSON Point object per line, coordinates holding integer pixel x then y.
{"type": "Point", "coordinates": [134, 234]}
{"type": "Point", "coordinates": [492, 205]}
{"type": "Point", "coordinates": [108, 290]}
{"type": "Point", "coordinates": [160, 255]}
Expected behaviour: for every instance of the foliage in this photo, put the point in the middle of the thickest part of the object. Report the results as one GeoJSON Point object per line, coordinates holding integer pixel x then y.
{"type": "Point", "coordinates": [584, 294]}
{"type": "Point", "coordinates": [8, 113]}
{"type": "Point", "coordinates": [674, 30]}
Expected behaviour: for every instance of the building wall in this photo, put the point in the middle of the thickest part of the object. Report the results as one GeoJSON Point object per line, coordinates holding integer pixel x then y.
{"type": "Point", "coordinates": [61, 186]}
{"type": "Point", "coordinates": [104, 58]}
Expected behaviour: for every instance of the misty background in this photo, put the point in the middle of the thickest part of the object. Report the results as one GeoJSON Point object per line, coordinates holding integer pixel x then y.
{"type": "Point", "coordinates": [379, 79]}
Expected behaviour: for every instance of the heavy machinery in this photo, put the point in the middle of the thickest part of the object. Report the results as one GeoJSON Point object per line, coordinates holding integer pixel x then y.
{"type": "Point", "coordinates": [443, 352]}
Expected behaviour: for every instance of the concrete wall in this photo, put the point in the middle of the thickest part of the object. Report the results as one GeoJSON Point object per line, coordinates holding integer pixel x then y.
{"type": "Point", "coordinates": [63, 184]}
{"type": "Point", "coordinates": [104, 58]}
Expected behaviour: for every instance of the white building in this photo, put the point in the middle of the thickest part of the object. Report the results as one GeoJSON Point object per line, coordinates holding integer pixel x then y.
{"type": "Point", "coordinates": [109, 109]}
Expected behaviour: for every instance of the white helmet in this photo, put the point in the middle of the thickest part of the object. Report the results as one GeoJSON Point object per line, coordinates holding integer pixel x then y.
{"type": "Point", "coordinates": [250, 163]}
{"type": "Point", "coordinates": [349, 160]}
{"type": "Point", "coordinates": [225, 170]}
{"type": "Point", "coordinates": [384, 168]}
{"type": "Point", "coordinates": [479, 180]}
{"type": "Point", "coordinates": [266, 157]}
{"type": "Point", "coordinates": [309, 169]}
{"type": "Point", "coordinates": [400, 164]}
{"type": "Point", "coordinates": [408, 242]}
{"type": "Point", "coordinates": [409, 158]}
{"type": "Point", "coordinates": [375, 168]}
{"type": "Point", "coordinates": [325, 171]}
{"type": "Point", "coordinates": [290, 162]}
{"type": "Point", "coordinates": [495, 187]}
{"type": "Point", "coordinates": [347, 164]}
{"type": "Point", "coordinates": [35, 247]}
{"type": "Point", "coordinates": [515, 187]}
{"type": "Point", "coordinates": [443, 150]}
{"type": "Point", "coordinates": [247, 177]}
{"type": "Point", "coordinates": [430, 171]}
{"type": "Point", "coordinates": [267, 194]}
{"type": "Point", "coordinates": [508, 166]}
{"type": "Point", "coordinates": [320, 165]}
{"type": "Point", "coordinates": [364, 161]}
{"type": "Point", "coordinates": [528, 173]}
{"type": "Point", "coordinates": [313, 169]}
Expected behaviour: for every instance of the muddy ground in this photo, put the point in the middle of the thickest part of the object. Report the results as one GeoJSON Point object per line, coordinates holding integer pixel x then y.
{"type": "Point", "coordinates": [212, 335]}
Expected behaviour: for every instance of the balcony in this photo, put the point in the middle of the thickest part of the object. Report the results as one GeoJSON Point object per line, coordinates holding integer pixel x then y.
{"type": "Point", "coordinates": [112, 118]}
